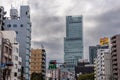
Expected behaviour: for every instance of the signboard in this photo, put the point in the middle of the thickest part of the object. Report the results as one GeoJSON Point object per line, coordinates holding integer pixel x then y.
{"type": "Point", "coordinates": [104, 41]}
{"type": "Point", "coordinates": [52, 64]}
{"type": "Point", "coordinates": [2, 65]}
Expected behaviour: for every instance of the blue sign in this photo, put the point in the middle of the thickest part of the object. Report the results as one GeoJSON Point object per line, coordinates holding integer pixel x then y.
{"type": "Point", "coordinates": [2, 65]}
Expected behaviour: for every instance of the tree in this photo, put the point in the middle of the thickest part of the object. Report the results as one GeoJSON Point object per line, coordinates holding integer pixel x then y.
{"type": "Point", "coordinates": [36, 76]}
{"type": "Point", "coordinates": [86, 76]}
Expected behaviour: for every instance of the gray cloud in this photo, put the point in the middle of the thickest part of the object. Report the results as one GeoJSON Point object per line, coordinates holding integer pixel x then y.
{"type": "Point", "coordinates": [100, 19]}
{"type": "Point", "coordinates": [107, 25]}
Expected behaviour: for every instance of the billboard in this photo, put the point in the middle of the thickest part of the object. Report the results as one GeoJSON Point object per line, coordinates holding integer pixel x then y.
{"type": "Point", "coordinates": [104, 41]}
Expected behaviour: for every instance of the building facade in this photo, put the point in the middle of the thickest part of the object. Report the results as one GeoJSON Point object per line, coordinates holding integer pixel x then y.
{"type": "Point", "coordinates": [9, 55]}
{"type": "Point", "coordinates": [17, 60]}
{"type": "Point", "coordinates": [38, 61]}
{"type": "Point", "coordinates": [2, 13]}
{"type": "Point", "coordinates": [103, 64]}
{"type": "Point", "coordinates": [73, 42]}
{"type": "Point", "coordinates": [83, 67]}
{"type": "Point", "coordinates": [92, 53]}
{"type": "Point", "coordinates": [115, 55]}
{"type": "Point", "coordinates": [60, 73]}
{"type": "Point", "coordinates": [22, 26]}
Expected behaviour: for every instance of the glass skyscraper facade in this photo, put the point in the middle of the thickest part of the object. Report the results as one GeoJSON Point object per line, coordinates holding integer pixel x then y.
{"type": "Point", "coordinates": [73, 42]}
{"type": "Point", "coordinates": [92, 53]}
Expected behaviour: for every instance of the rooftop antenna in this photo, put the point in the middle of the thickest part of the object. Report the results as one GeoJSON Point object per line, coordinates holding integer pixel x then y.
{"type": "Point", "coordinates": [12, 6]}
{"type": "Point", "coordinates": [42, 46]}
{"type": "Point", "coordinates": [22, 2]}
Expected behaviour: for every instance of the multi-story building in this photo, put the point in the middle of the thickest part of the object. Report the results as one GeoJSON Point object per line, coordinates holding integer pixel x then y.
{"type": "Point", "coordinates": [92, 53]}
{"type": "Point", "coordinates": [22, 26]}
{"type": "Point", "coordinates": [9, 55]}
{"type": "Point", "coordinates": [103, 64]}
{"type": "Point", "coordinates": [83, 67]}
{"type": "Point", "coordinates": [73, 42]}
{"type": "Point", "coordinates": [53, 74]}
{"type": "Point", "coordinates": [2, 13]}
{"type": "Point", "coordinates": [60, 73]}
{"type": "Point", "coordinates": [19, 68]}
{"type": "Point", "coordinates": [17, 60]}
{"type": "Point", "coordinates": [115, 55]}
{"type": "Point", "coordinates": [38, 61]}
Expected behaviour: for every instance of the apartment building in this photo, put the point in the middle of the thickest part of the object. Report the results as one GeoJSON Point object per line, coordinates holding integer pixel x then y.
{"type": "Point", "coordinates": [38, 61]}
{"type": "Point", "coordinates": [115, 52]}
{"type": "Point", "coordinates": [9, 55]}
{"type": "Point", "coordinates": [103, 64]}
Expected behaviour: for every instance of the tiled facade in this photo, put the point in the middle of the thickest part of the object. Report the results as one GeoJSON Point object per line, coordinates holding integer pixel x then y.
{"type": "Point", "coordinates": [38, 61]}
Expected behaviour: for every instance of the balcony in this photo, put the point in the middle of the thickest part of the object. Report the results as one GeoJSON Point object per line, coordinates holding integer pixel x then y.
{"type": "Point", "coordinates": [115, 67]}
{"type": "Point", "coordinates": [114, 58]}
{"type": "Point", "coordinates": [115, 71]}
{"type": "Point", "coordinates": [114, 62]}
{"type": "Point", "coordinates": [114, 37]}
{"type": "Point", "coordinates": [7, 55]}
{"type": "Point", "coordinates": [114, 54]}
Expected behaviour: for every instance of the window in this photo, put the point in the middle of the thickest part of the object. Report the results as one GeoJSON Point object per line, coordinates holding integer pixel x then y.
{"type": "Point", "coordinates": [21, 25]}
{"type": "Point", "coordinates": [15, 74]}
{"type": "Point", "coordinates": [14, 25]}
{"type": "Point", "coordinates": [17, 50]}
{"type": "Point", "coordinates": [16, 57]}
{"type": "Point", "coordinates": [16, 66]}
{"type": "Point", "coordinates": [16, 32]}
{"type": "Point", "coordinates": [8, 25]}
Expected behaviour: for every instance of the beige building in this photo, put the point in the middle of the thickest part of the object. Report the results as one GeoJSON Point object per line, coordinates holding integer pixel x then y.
{"type": "Point", "coordinates": [38, 61]}
{"type": "Point", "coordinates": [115, 52]}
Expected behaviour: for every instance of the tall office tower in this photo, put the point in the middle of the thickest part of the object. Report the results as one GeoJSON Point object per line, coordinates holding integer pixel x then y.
{"type": "Point", "coordinates": [73, 42]}
{"type": "Point", "coordinates": [22, 25]}
{"type": "Point", "coordinates": [92, 53]}
{"type": "Point", "coordinates": [2, 13]}
{"type": "Point", "coordinates": [38, 61]}
{"type": "Point", "coordinates": [115, 52]}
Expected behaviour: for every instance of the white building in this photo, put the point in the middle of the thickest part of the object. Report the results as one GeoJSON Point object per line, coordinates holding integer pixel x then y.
{"type": "Point", "coordinates": [11, 36]}
{"type": "Point", "coordinates": [61, 73]}
{"type": "Point", "coordinates": [16, 59]}
{"type": "Point", "coordinates": [103, 64]}
{"type": "Point", "coordinates": [22, 26]}
{"type": "Point", "coordinates": [65, 74]}
{"type": "Point", "coordinates": [53, 74]}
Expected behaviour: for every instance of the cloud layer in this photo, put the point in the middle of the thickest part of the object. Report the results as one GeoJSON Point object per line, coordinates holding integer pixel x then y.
{"type": "Point", "coordinates": [100, 19]}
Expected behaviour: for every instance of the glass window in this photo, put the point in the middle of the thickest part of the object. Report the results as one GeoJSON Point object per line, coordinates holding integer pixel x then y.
{"type": "Point", "coordinates": [16, 32]}
{"type": "Point", "coordinates": [16, 57]}
{"type": "Point", "coordinates": [14, 25]}
{"type": "Point", "coordinates": [9, 25]}
{"type": "Point", "coordinates": [21, 25]}
{"type": "Point", "coordinates": [17, 50]}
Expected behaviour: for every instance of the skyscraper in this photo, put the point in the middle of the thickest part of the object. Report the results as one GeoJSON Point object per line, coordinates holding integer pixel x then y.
{"type": "Point", "coordinates": [92, 53]}
{"type": "Point", "coordinates": [73, 42]}
{"type": "Point", "coordinates": [22, 25]}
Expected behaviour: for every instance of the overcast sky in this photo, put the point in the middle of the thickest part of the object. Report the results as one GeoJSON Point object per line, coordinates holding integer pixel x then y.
{"type": "Point", "coordinates": [101, 18]}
